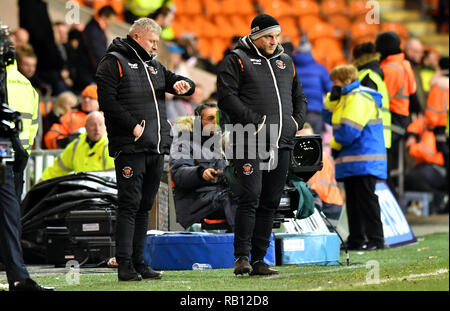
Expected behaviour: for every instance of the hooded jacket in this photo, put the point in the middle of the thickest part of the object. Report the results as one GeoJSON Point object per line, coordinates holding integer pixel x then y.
{"type": "Point", "coordinates": [131, 88]}
{"type": "Point", "coordinates": [357, 132]}
{"type": "Point", "coordinates": [196, 198]}
{"type": "Point", "coordinates": [315, 80]}
{"type": "Point", "coordinates": [251, 85]}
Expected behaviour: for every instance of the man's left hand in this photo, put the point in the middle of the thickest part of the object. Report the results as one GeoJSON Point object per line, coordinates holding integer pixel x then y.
{"type": "Point", "coordinates": [181, 87]}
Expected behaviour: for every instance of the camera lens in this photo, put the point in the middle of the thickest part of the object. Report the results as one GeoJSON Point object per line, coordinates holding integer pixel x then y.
{"type": "Point", "coordinates": [306, 152]}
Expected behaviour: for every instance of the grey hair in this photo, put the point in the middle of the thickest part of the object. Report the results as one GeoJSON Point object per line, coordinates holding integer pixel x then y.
{"type": "Point", "coordinates": [145, 24]}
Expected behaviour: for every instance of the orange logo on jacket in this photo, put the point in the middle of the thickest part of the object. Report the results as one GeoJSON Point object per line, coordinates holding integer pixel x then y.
{"type": "Point", "coordinates": [247, 169]}
{"type": "Point", "coordinates": [127, 172]}
{"type": "Point", "coordinates": [280, 64]}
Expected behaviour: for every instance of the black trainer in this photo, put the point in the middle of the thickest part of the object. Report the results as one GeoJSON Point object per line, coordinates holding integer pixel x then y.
{"type": "Point", "coordinates": [261, 268]}
{"type": "Point", "coordinates": [242, 265]}
{"type": "Point", "coordinates": [146, 272]}
{"type": "Point", "coordinates": [126, 272]}
{"type": "Point", "coordinates": [29, 285]}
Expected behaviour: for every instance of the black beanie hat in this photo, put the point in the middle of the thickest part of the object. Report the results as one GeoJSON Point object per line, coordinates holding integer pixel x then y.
{"type": "Point", "coordinates": [262, 25]}
{"type": "Point", "coordinates": [443, 63]}
{"type": "Point", "coordinates": [388, 43]}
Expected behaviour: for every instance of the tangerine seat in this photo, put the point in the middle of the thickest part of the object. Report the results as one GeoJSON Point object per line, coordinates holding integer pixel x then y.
{"type": "Point", "coordinates": [289, 26]}
{"type": "Point", "coordinates": [308, 22]}
{"type": "Point", "coordinates": [276, 8]}
{"type": "Point", "coordinates": [341, 22]}
{"type": "Point", "coordinates": [358, 8]}
{"type": "Point", "coordinates": [398, 28]}
{"type": "Point", "coordinates": [212, 7]}
{"type": "Point", "coordinates": [361, 30]}
{"type": "Point", "coordinates": [332, 7]}
{"type": "Point", "coordinates": [305, 8]}
{"type": "Point", "coordinates": [193, 7]}
{"type": "Point", "coordinates": [321, 30]}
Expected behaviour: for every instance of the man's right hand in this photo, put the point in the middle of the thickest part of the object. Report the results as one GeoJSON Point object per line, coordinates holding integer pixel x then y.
{"type": "Point", "coordinates": [138, 130]}
{"type": "Point", "coordinates": [210, 174]}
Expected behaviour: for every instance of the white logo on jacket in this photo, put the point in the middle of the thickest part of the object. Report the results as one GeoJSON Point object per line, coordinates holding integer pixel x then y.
{"type": "Point", "coordinates": [133, 66]}
{"type": "Point", "coordinates": [255, 61]}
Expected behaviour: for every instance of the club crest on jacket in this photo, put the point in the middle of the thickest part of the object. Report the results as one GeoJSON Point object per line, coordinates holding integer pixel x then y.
{"type": "Point", "coordinates": [127, 172]}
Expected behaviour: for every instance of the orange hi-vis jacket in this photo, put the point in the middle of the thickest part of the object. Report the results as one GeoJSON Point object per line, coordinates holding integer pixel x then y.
{"type": "Point", "coordinates": [70, 123]}
{"type": "Point", "coordinates": [325, 184]}
{"type": "Point", "coordinates": [436, 112]}
{"type": "Point", "coordinates": [400, 82]}
{"type": "Point", "coordinates": [424, 150]}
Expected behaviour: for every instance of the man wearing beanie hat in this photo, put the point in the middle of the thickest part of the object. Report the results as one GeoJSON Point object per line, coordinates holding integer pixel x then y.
{"type": "Point", "coordinates": [400, 84]}
{"type": "Point", "coordinates": [258, 88]}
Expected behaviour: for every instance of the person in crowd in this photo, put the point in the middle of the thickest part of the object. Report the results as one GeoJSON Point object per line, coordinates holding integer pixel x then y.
{"type": "Point", "coordinates": [20, 37]}
{"type": "Point", "coordinates": [436, 112]}
{"type": "Point", "coordinates": [27, 64]}
{"type": "Point", "coordinates": [430, 65]}
{"type": "Point", "coordinates": [199, 187]}
{"type": "Point", "coordinates": [61, 32]}
{"type": "Point", "coordinates": [315, 81]}
{"type": "Point", "coordinates": [367, 60]}
{"type": "Point", "coordinates": [164, 16]}
{"type": "Point", "coordinates": [414, 52]}
{"type": "Point", "coordinates": [134, 9]}
{"type": "Point", "coordinates": [72, 123]}
{"type": "Point", "coordinates": [63, 104]}
{"type": "Point", "coordinates": [89, 152]}
{"type": "Point", "coordinates": [23, 98]}
{"type": "Point", "coordinates": [192, 56]}
{"type": "Point", "coordinates": [429, 173]}
{"type": "Point", "coordinates": [180, 107]}
{"type": "Point", "coordinates": [35, 18]}
{"type": "Point", "coordinates": [400, 83]}
{"type": "Point", "coordinates": [93, 44]}
{"type": "Point", "coordinates": [132, 86]}
{"type": "Point", "coordinates": [359, 152]}
{"type": "Point", "coordinates": [270, 96]}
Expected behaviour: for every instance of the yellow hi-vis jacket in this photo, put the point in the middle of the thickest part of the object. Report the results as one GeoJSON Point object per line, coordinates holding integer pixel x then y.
{"type": "Point", "coordinates": [385, 112]}
{"type": "Point", "coordinates": [23, 98]}
{"type": "Point", "coordinates": [78, 157]}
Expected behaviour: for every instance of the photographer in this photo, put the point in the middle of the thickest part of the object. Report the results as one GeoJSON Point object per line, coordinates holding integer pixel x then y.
{"type": "Point", "coordinates": [200, 190]}
{"type": "Point", "coordinates": [10, 125]}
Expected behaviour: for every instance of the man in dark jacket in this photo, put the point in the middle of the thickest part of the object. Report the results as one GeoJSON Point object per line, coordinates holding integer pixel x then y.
{"type": "Point", "coordinates": [258, 88]}
{"type": "Point", "coordinates": [93, 45]}
{"type": "Point", "coordinates": [196, 168]}
{"type": "Point", "coordinates": [131, 89]}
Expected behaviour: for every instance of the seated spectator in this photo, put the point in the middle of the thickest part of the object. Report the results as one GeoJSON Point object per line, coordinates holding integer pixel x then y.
{"type": "Point", "coordinates": [324, 184]}
{"type": "Point", "coordinates": [72, 123]}
{"type": "Point", "coordinates": [429, 173]}
{"type": "Point", "coordinates": [20, 37]}
{"type": "Point", "coordinates": [193, 57]}
{"type": "Point", "coordinates": [180, 106]}
{"type": "Point", "coordinates": [64, 103]}
{"type": "Point", "coordinates": [87, 153]}
{"type": "Point", "coordinates": [315, 81]}
{"type": "Point", "coordinates": [199, 188]}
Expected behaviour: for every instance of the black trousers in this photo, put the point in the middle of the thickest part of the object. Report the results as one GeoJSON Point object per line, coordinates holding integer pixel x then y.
{"type": "Point", "coordinates": [258, 194]}
{"type": "Point", "coordinates": [138, 176]}
{"type": "Point", "coordinates": [363, 211]}
{"type": "Point", "coordinates": [10, 247]}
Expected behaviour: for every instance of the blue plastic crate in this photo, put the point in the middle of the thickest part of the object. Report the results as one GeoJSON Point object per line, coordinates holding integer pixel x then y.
{"type": "Point", "coordinates": [179, 251]}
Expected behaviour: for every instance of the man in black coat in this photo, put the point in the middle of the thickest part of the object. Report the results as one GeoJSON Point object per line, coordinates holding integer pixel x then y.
{"type": "Point", "coordinates": [259, 89]}
{"type": "Point", "coordinates": [93, 45]}
{"type": "Point", "coordinates": [196, 169]}
{"type": "Point", "coordinates": [131, 89]}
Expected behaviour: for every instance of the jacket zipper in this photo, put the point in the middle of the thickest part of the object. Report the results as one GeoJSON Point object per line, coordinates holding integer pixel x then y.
{"type": "Point", "coordinates": [276, 89]}
{"type": "Point", "coordinates": [154, 97]}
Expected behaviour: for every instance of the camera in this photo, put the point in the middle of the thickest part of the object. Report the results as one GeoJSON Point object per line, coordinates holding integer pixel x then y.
{"type": "Point", "coordinates": [306, 160]}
